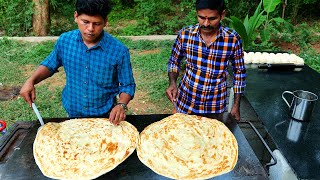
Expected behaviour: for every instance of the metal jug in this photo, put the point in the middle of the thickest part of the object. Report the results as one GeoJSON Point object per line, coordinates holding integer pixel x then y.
{"type": "Point", "coordinates": [302, 104]}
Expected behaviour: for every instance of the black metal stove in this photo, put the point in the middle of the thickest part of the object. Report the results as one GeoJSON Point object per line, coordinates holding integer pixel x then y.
{"type": "Point", "coordinates": [17, 161]}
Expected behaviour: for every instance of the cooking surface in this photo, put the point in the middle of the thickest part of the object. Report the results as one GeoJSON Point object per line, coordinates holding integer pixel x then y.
{"type": "Point", "coordinates": [21, 164]}
{"type": "Point", "coordinates": [298, 141]}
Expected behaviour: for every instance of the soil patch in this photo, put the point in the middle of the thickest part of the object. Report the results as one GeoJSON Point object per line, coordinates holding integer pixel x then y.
{"type": "Point", "coordinates": [285, 46]}
{"type": "Point", "coordinates": [316, 47]}
{"type": "Point", "coordinates": [153, 51]}
{"type": "Point", "coordinates": [9, 93]}
{"type": "Point", "coordinates": [57, 80]}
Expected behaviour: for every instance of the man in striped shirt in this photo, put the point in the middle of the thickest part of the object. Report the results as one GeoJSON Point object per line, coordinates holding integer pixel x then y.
{"type": "Point", "coordinates": [97, 67]}
{"type": "Point", "coordinates": [207, 47]}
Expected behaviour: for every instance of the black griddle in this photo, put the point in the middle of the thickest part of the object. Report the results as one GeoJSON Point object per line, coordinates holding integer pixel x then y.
{"type": "Point", "coordinates": [21, 164]}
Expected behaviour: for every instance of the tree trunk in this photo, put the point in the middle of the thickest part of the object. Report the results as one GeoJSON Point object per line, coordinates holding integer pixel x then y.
{"type": "Point", "coordinates": [284, 8]}
{"type": "Point", "coordinates": [41, 17]}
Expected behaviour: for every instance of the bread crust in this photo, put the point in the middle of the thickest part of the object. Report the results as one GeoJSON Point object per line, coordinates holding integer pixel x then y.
{"type": "Point", "coordinates": [188, 147]}
{"type": "Point", "coordinates": [83, 148]}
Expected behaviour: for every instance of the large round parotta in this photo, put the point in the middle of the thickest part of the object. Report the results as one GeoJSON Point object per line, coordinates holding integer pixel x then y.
{"type": "Point", "coordinates": [188, 147]}
{"type": "Point", "coordinates": [83, 148]}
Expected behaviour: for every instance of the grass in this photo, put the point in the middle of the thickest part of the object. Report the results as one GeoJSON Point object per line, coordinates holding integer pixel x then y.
{"type": "Point", "coordinates": [149, 59]}
{"type": "Point", "coordinates": [21, 59]}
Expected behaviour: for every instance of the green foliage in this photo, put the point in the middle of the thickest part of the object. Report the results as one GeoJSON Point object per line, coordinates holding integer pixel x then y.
{"type": "Point", "coordinates": [249, 27]}
{"type": "Point", "coordinates": [61, 16]}
{"type": "Point", "coordinates": [154, 17]}
{"type": "Point", "coordinates": [311, 58]}
{"type": "Point", "coordinates": [240, 8]}
{"type": "Point", "coordinates": [16, 17]}
{"type": "Point", "coordinates": [139, 17]}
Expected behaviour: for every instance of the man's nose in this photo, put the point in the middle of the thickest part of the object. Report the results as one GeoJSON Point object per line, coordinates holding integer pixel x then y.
{"type": "Point", "coordinates": [206, 22]}
{"type": "Point", "coordinates": [90, 27]}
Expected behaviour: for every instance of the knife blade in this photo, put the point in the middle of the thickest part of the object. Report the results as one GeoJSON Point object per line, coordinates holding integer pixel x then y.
{"type": "Point", "coordinates": [35, 109]}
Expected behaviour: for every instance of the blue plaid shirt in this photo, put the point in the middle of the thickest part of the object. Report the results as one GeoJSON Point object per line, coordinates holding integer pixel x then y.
{"type": "Point", "coordinates": [95, 76]}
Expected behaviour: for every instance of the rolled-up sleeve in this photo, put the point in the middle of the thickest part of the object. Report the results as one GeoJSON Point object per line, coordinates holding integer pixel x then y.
{"type": "Point", "coordinates": [53, 60]}
{"type": "Point", "coordinates": [239, 82]}
{"type": "Point", "coordinates": [125, 75]}
{"type": "Point", "coordinates": [176, 56]}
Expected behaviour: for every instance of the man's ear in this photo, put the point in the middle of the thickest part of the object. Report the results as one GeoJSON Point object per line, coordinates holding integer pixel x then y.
{"type": "Point", "coordinates": [75, 16]}
{"type": "Point", "coordinates": [223, 14]}
{"type": "Point", "coordinates": [106, 22]}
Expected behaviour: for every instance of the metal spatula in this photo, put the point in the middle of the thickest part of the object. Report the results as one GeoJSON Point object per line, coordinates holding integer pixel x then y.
{"type": "Point", "coordinates": [35, 109]}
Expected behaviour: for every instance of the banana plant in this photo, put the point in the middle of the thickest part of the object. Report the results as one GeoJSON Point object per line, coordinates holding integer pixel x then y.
{"type": "Point", "coordinates": [248, 28]}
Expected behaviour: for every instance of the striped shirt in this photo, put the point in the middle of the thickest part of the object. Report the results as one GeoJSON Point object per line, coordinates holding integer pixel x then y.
{"type": "Point", "coordinates": [203, 87]}
{"type": "Point", "coordinates": [94, 76]}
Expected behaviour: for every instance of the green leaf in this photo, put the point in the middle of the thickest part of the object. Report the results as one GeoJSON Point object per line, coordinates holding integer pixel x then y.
{"type": "Point", "coordinates": [270, 5]}
{"type": "Point", "coordinates": [278, 20]}
{"type": "Point", "coordinates": [265, 35]}
{"type": "Point", "coordinates": [240, 28]}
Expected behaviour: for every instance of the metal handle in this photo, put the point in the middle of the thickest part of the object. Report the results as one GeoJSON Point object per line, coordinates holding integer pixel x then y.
{"type": "Point", "coordinates": [264, 143]}
{"type": "Point", "coordinates": [285, 100]}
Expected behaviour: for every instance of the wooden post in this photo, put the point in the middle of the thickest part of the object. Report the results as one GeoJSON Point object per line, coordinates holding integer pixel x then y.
{"type": "Point", "coordinates": [41, 17]}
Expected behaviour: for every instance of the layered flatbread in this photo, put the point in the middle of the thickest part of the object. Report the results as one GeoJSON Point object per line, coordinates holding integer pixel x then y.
{"type": "Point", "coordinates": [83, 148]}
{"type": "Point", "coordinates": [188, 147]}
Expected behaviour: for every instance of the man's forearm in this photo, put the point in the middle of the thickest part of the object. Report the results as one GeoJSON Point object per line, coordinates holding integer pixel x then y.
{"type": "Point", "coordinates": [40, 74]}
{"type": "Point", "coordinates": [237, 99]}
{"type": "Point", "coordinates": [173, 76]}
{"type": "Point", "coordinates": [124, 98]}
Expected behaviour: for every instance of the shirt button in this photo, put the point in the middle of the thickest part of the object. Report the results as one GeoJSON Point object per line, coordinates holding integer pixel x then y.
{"type": "Point", "coordinates": [86, 67]}
{"type": "Point", "coordinates": [85, 82]}
{"type": "Point", "coordinates": [85, 96]}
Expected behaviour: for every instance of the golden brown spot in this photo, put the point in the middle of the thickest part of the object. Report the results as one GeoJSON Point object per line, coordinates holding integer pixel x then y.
{"type": "Point", "coordinates": [173, 138]}
{"type": "Point", "coordinates": [111, 147]}
{"type": "Point", "coordinates": [126, 154]}
{"type": "Point", "coordinates": [155, 135]}
{"type": "Point", "coordinates": [165, 157]}
{"type": "Point", "coordinates": [112, 160]}
{"type": "Point", "coordinates": [214, 156]}
{"type": "Point", "coordinates": [75, 156]}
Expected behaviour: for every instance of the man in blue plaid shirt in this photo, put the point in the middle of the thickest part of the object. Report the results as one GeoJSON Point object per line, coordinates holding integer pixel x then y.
{"type": "Point", "coordinates": [97, 67]}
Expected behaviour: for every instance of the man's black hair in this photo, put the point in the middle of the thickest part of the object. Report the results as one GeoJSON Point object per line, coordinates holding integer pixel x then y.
{"type": "Point", "coordinates": [94, 7]}
{"type": "Point", "coordinates": [211, 4]}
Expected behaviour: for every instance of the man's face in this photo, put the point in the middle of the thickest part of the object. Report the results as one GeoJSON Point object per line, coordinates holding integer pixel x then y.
{"type": "Point", "coordinates": [90, 27]}
{"type": "Point", "coordinates": [209, 20]}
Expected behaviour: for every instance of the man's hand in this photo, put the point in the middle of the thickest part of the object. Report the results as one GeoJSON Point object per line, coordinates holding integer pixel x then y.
{"type": "Point", "coordinates": [28, 92]}
{"type": "Point", "coordinates": [172, 92]}
{"type": "Point", "coordinates": [235, 113]}
{"type": "Point", "coordinates": [117, 114]}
